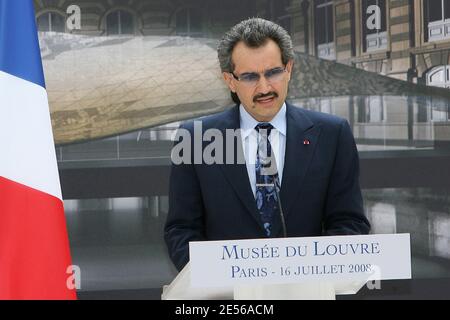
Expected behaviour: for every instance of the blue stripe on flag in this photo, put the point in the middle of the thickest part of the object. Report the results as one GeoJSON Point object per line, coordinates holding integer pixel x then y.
{"type": "Point", "coordinates": [19, 46]}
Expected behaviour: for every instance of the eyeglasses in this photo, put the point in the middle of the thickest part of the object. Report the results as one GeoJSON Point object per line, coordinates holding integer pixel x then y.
{"type": "Point", "coordinates": [251, 78]}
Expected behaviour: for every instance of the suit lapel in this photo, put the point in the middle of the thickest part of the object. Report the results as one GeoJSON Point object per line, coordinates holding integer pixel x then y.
{"type": "Point", "coordinates": [236, 174]}
{"type": "Point", "coordinates": [301, 140]}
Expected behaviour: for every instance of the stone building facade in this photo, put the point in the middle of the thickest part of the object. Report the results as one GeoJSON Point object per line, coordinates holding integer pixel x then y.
{"type": "Point", "coordinates": [412, 42]}
{"type": "Point", "coordinates": [197, 18]}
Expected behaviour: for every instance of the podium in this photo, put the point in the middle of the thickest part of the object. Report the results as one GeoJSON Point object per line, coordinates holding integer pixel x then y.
{"type": "Point", "coordinates": [310, 268]}
{"type": "Point", "coordinates": [181, 289]}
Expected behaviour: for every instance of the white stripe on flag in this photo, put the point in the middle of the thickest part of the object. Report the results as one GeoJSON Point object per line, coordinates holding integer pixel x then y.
{"type": "Point", "coordinates": [27, 151]}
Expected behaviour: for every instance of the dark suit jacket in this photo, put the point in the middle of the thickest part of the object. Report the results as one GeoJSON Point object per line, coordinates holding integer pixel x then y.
{"type": "Point", "coordinates": [320, 190]}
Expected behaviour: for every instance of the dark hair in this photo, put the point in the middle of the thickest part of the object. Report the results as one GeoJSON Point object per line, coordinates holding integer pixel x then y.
{"type": "Point", "coordinates": [254, 32]}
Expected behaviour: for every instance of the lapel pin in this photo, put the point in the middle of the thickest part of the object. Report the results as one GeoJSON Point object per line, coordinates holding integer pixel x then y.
{"type": "Point", "coordinates": [306, 142]}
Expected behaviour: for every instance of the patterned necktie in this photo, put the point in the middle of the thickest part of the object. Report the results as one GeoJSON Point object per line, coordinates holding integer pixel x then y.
{"type": "Point", "coordinates": [266, 171]}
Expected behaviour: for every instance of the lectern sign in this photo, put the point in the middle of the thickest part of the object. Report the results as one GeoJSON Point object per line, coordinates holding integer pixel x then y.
{"type": "Point", "coordinates": [289, 260]}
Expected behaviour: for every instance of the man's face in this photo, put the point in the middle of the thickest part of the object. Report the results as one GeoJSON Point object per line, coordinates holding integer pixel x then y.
{"type": "Point", "coordinates": [262, 98]}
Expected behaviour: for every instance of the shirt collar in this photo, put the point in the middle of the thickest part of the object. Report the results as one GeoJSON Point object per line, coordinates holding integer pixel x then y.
{"type": "Point", "coordinates": [248, 123]}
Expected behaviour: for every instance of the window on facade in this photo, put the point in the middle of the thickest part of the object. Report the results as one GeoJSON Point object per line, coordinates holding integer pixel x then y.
{"type": "Point", "coordinates": [436, 19]}
{"type": "Point", "coordinates": [326, 106]}
{"type": "Point", "coordinates": [422, 109]}
{"type": "Point", "coordinates": [361, 108]}
{"type": "Point", "coordinates": [119, 22]}
{"type": "Point", "coordinates": [374, 28]}
{"type": "Point", "coordinates": [440, 109]}
{"type": "Point", "coordinates": [376, 109]}
{"type": "Point", "coordinates": [324, 30]}
{"type": "Point", "coordinates": [439, 77]}
{"type": "Point", "coordinates": [371, 109]}
{"type": "Point", "coordinates": [51, 22]}
{"type": "Point", "coordinates": [189, 22]}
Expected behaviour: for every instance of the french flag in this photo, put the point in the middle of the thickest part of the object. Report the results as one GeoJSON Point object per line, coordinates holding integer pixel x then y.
{"type": "Point", "coordinates": [34, 247]}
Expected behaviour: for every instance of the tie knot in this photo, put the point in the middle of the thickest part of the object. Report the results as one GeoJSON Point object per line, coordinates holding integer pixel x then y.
{"type": "Point", "coordinates": [265, 126]}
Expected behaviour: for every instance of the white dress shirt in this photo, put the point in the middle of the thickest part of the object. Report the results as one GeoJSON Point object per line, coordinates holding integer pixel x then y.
{"type": "Point", "coordinates": [277, 140]}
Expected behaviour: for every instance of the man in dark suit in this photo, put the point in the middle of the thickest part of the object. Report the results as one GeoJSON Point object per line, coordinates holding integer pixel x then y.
{"type": "Point", "coordinates": [311, 155]}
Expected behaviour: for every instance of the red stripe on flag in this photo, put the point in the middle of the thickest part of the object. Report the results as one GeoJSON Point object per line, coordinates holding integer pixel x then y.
{"type": "Point", "coordinates": [34, 246]}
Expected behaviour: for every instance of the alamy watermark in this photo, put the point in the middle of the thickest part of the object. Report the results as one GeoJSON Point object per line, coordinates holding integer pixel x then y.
{"type": "Point", "coordinates": [374, 20]}
{"type": "Point", "coordinates": [73, 17]}
{"type": "Point", "coordinates": [74, 279]}
{"type": "Point", "coordinates": [214, 146]}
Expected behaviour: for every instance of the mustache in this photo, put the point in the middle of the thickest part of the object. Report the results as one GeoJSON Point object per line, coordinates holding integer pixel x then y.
{"type": "Point", "coordinates": [265, 95]}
